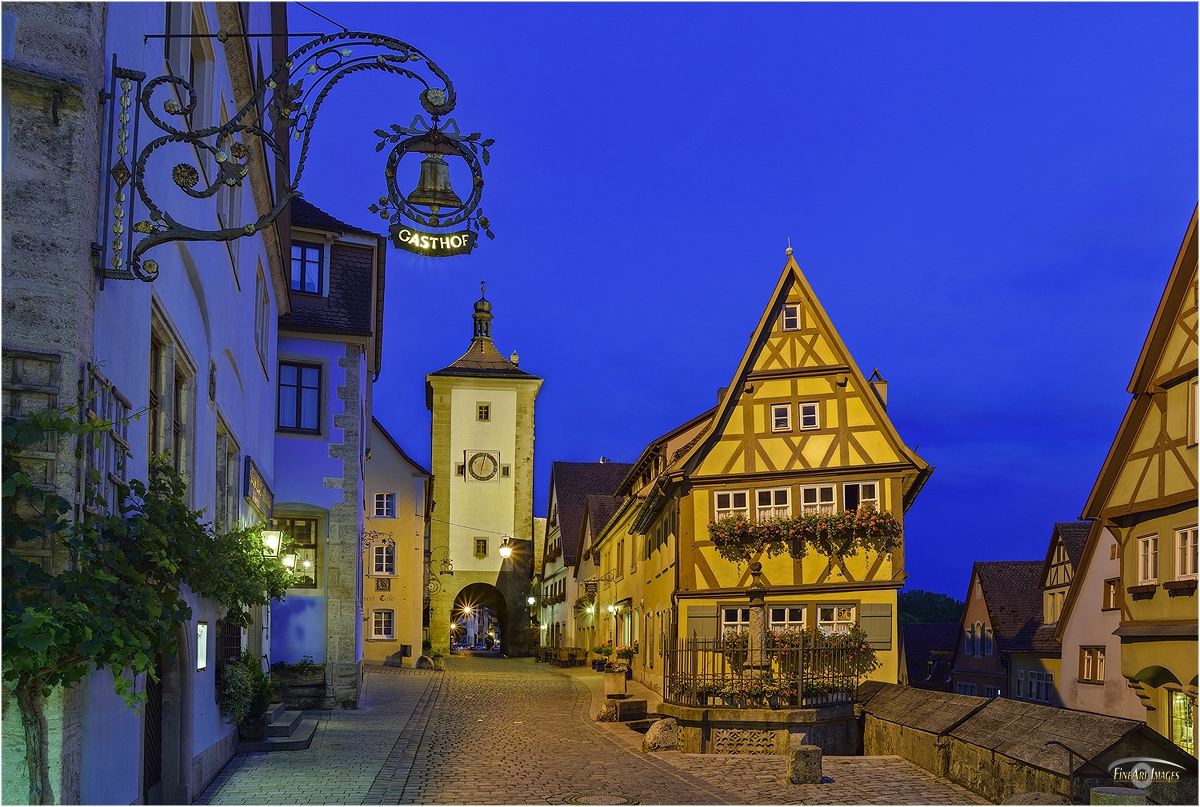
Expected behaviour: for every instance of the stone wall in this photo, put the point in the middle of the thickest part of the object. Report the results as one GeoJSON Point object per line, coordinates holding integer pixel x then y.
{"type": "Point", "coordinates": [727, 730]}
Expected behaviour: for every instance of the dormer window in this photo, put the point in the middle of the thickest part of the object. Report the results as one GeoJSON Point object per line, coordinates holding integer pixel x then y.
{"type": "Point", "coordinates": [791, 317]}
{"type": "Point", "coordinates": [307, 267]}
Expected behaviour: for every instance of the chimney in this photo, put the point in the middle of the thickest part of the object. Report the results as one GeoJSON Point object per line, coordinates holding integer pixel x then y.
{"type": "Point", "coordinates": [604, 459]}
{"type": "Point", "coordinates": [879, 385]}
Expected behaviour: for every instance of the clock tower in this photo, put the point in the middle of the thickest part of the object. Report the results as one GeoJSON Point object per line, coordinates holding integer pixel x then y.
{"type": "Point", "coordinates": [482, 462]}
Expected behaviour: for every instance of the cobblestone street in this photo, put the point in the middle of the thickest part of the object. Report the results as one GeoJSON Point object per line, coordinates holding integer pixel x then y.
{"type": "Point", "coordinates": [499, 731]}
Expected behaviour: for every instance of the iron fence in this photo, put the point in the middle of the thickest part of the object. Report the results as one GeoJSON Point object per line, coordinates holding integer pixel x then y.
{"type": "Point", "coordinates": [710, 672]}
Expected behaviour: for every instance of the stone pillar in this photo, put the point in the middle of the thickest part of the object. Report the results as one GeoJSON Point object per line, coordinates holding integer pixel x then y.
{"type": "Point", "coordinates": [757, 592]}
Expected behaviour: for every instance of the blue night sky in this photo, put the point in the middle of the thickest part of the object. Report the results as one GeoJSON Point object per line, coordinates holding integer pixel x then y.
{"type": "Point", "coordinates": [987, 199]}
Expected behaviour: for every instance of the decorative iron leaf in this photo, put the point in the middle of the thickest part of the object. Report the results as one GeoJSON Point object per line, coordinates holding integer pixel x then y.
{"type": "Point", "coordinates": [474, 136]}
{"type": "Point", "coordinates": [489, 235]}
{"type": "Point", "coordinates": [380, 133]}
{"type": "Point", "coordinates": [379, 146]}
{"type": "Point", "coordinates": [487, 158]}
{"type": "Point", "coordinates": [373, 208]}
{"type": "Point", "coordinates": [397, 128]}
{"type": "Point", "coordinates": [489, 142]}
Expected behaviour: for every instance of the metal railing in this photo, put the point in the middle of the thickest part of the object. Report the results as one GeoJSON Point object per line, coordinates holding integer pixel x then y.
{"type": "Point", "coordinates": [713, 672]}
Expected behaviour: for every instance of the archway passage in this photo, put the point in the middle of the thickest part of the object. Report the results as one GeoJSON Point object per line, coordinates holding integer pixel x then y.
{"type": "Point", "coordinates": [480, 616]}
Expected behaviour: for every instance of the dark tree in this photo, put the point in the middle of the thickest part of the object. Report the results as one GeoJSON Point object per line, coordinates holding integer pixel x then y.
{"type": "Point", "coordinates": [919, 606]}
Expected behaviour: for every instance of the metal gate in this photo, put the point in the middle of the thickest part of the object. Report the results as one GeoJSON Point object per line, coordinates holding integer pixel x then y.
{"type": "Point", "coordinates": [152, 739]}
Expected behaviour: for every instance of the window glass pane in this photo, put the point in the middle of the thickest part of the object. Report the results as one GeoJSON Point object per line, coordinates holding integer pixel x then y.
{"type": "Point", "coordinates": [795, 614]}
{"type": "Point", "coordinates": [764, 498]}
{"type": "Point", "coordinates": [808, 495]}
{"type": "Point", "coordinates": [739, 500]}
{"type": "Point", "coordinates": [308, 409]}
{"type": "Point", "coordinates": [287, 406]}
{"type": "Point", "coordinates": [731, 615]}
{"type": "Point", "coordinates": [777, 614]}
{"type": "Point", "coordinates": [287, 374]}
{"type": "Point", "coordinates": [827, 494]}
{"type": "Point", "coordinates": [745, 614]}
{"type": "Point", "coordinates": [868, 490]}
{"type": "Point", "coordinates": [723, 501]}
{"type": "Point", "coordinates": [781, 496]}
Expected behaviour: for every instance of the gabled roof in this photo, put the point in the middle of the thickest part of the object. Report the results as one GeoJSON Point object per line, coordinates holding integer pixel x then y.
{"type": "Point", "coordinates": [395, 445]}
{"type": "Point", "coordinates": [1013, 597]}
{"type": "Point", "coordinates": [1095, 530]}
{"type": "Point", "coordinates": [1073, 535]}
{"type": "Point", "coordinates": [482, 360]}
{"type": "Point", "coordinates": [1179, 292]}
{"type": "Point", "coordinates": [570, 484]}
{"type": "Point", "coordinates": [793, 277]}
{"type": "Point", "coordinates": [307, 215]}
{"type": "Point", "coordinates": [925, 642]}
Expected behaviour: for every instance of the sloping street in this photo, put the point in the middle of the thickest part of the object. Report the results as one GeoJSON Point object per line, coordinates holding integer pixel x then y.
{"type": "Point", "coordinates": [509, 731]}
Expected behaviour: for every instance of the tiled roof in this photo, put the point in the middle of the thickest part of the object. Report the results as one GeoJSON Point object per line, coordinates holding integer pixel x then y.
{"type": "Point", "coordinates": [572, 482]}
{"type": "Point", "coordinates": [1014, 602]}
{"type": "Point", "coordinates": [921, 643]}
{"type": "Point", "coordinates": [601, 507]}
{"type": "Point", "coordinates": [1074, 535]}
{"type": "Point", "coordinates": [482, 360]}
{"type": "Point", "coordinates": [921, 709]}
{"type": "Point", "coordinates": [347, 307]}
{"type": "Point", "coordinates": [306, 214]}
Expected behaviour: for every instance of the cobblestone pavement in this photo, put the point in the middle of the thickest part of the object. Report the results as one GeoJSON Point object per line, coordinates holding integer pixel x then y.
{"type": "Point", "coordinates": [501, 731]}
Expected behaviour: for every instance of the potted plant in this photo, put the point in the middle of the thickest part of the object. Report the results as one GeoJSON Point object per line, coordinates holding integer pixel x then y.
{"type": "Point", "coordinates": [245, 696]}
{"type": "Point", "coordinates": [603, 651]}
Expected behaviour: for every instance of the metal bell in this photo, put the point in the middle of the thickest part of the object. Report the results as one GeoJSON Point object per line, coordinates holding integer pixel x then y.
{"type": "Point", "coordinates": [433, 190]}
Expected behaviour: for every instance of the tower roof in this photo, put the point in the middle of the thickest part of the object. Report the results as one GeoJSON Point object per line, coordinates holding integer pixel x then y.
{"type": "Point", "coordinates": [482, 359]}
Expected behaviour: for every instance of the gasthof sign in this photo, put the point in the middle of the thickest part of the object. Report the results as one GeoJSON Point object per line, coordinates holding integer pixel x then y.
{"type": "Point", "coordinates": [437, 245]}
{"type": "Point", "coordinates": [255, 490]}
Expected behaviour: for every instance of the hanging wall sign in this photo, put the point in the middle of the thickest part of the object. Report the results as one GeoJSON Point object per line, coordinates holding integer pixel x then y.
{"type": "Point", "coordinates": [435, 244]}
{"type": "Point", "coordinates": [255, 490]}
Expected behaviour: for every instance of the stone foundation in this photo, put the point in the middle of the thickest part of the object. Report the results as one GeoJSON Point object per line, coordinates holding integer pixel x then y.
{"type": "Point", "coordinates": [727, 730]}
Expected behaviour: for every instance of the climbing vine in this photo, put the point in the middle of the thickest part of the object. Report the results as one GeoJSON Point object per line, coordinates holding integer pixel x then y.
{"type": "Point", "coordinates": [117, 603]}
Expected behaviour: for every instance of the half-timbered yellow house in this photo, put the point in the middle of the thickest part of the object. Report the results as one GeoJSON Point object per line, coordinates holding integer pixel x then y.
{"type": "Point", "coordinates": [1145, 497]}
{"type": "Point", "coordinates": [799, 429]}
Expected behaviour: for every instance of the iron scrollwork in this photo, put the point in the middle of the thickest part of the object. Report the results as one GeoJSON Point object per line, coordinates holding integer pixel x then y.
{"type": "Point", "coordinates": [284, 106]}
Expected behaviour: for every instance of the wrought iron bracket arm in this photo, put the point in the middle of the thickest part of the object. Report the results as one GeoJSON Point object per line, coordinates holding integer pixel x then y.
{"type": "Point", "coordinates": [284, 107]}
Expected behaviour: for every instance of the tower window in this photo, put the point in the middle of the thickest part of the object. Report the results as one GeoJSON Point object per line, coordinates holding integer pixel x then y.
{"type": "Point", "coordinates": [483, 412]}
{"type": "Point", "coordinates": [481, 547]}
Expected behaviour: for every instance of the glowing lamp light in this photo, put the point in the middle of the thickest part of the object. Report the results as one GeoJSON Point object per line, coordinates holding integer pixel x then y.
{"type": "Point", "coordinates": [467, 610]}
{"type": "Point", "coordinates": [271, 540]}
{"type": "Point", "coordinates": [289, 560]}
{"type": "Point", "coordinates": [591, 609]}
{"type": "Point", "coordinates": [612, 609]}
{"type": "Point", "coordinates": [506, 549]}
{"type": "Point", "coordinates": [307, 564]}
{"type": "Point", "coordinates": [530, 600]}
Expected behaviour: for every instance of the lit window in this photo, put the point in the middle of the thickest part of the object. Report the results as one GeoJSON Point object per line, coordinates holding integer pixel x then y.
{"type": "Point", "coordinates": [307, 264]}
{"type": "Point", "coordinates": [1185, 541]}
{"type": "Point", "coordinates": [835, 618]}
{"type": "Point", "coordinates": [300, 536]}
{"type": "Point", "coordinates": [382, 625]}
{"type": "Point", "coordinates": [781, 417]}
{"type": "Point", "coordinates": [483, 411]}
{"type": "Point", "coordinates": [1183, 720]}
{"type": "Point", "coordinates": [865, 494]}
{"type": "Point", "coordinates": [791, 317]}
{"type": "Point", "coordinates": [384, 559]}
{"type": "Point", "coordinates": [991, 692]}
{"type": "Point", "coordinates": [299, 397]}
{"type": "Point", "coordinates": [772, 504]}
{"type": "Point", "coordinates": [817, 499]}
{"type": "Point", "coordinates": [733, 502]}
{"type": "Point", "coordinates": [385, 505]}
{"type": "Point", "coordinates": [1148, 559]}
{"type": "Point", "coordinates": [808, 416]}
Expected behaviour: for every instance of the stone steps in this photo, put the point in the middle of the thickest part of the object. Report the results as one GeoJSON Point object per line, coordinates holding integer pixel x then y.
{"type": "Point", "coordinates": [287, 730]}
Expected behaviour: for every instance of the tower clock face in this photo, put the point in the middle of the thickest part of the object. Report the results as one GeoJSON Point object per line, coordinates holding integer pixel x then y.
{"type": "Point", "coordinates": [482, 466]}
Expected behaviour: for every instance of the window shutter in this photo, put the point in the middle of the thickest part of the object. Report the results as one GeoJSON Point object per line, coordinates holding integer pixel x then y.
{"type": "Point", "coordinates": [876, 621]}
{"type": "Point", "coordinates": [702, 622]}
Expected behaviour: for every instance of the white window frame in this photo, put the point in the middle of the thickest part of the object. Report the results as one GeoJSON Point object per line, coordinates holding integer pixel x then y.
{"type": "Point", "coordinates": [807, 410]}
{"type": "Point", "coordinates": [781, 417]}
{"type": "Point", "coordinates": [789, 618]}
{"type": "Point", "coordinates": [819, 504]}
{"type": "Point", "coordinates": [1185, 553]}
{"type": "Point", "coordinates": [386, 498]}
{"type": "Point", "coordinates": [779, 503]}
{"type": "Point", "coordinates": [873, 500]}
{"type": "Point", "coordinates": [731, 508]}
{"type": "Point", "coordinates": [838, 623]}
{"type": "Point", "coordinates": [383, 560]}
{"type": "Point", "coordinates": [383, 623]}
{"type": "Point", "coordinates": [1020, 684]}
{"type": "Point", "coordinates": [977, 631]}
{"type": "Point", "coordinates": [262, 316]}
{"type": "Point", "coordinates": [1147, 559]}
{"type": "Point", "coordinates": [228, 464]}
{"type": "Point", "coordinates": [742, 622]}
{"type": "Point", "coordinates": [791, 311]}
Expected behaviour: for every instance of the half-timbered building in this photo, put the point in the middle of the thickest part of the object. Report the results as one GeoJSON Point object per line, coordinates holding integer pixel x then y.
{"type": "Point", "coordinates": [1145, 498]}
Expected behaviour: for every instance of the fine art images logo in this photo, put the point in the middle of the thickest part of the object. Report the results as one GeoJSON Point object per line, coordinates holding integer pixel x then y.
{"type": "Point", "coordinates": [1141, 772]}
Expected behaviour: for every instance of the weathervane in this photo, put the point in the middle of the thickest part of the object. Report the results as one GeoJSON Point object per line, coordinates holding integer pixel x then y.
{"type": "Point", "coordinates": [284, 106]}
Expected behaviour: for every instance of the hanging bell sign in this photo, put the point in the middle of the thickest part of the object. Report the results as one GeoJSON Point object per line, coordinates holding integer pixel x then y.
{"type": "Point", "coordinates": [434, 202]}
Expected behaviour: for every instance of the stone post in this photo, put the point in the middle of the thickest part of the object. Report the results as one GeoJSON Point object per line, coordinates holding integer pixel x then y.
{"type": "Point", "coordinates": [757, 592]}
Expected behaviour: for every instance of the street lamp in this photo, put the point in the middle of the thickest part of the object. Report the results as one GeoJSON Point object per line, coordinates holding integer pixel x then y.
{"type": "Point", "coordinates": [271, 540]}
{"type": "Point", "coordinates": [506, 548]}
{"type": "Point", "coordinates": [530, 600]}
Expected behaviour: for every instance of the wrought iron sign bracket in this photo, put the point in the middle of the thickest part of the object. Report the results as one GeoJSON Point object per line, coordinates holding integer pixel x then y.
{"type": "Point", "coordinates": [284, 106]}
